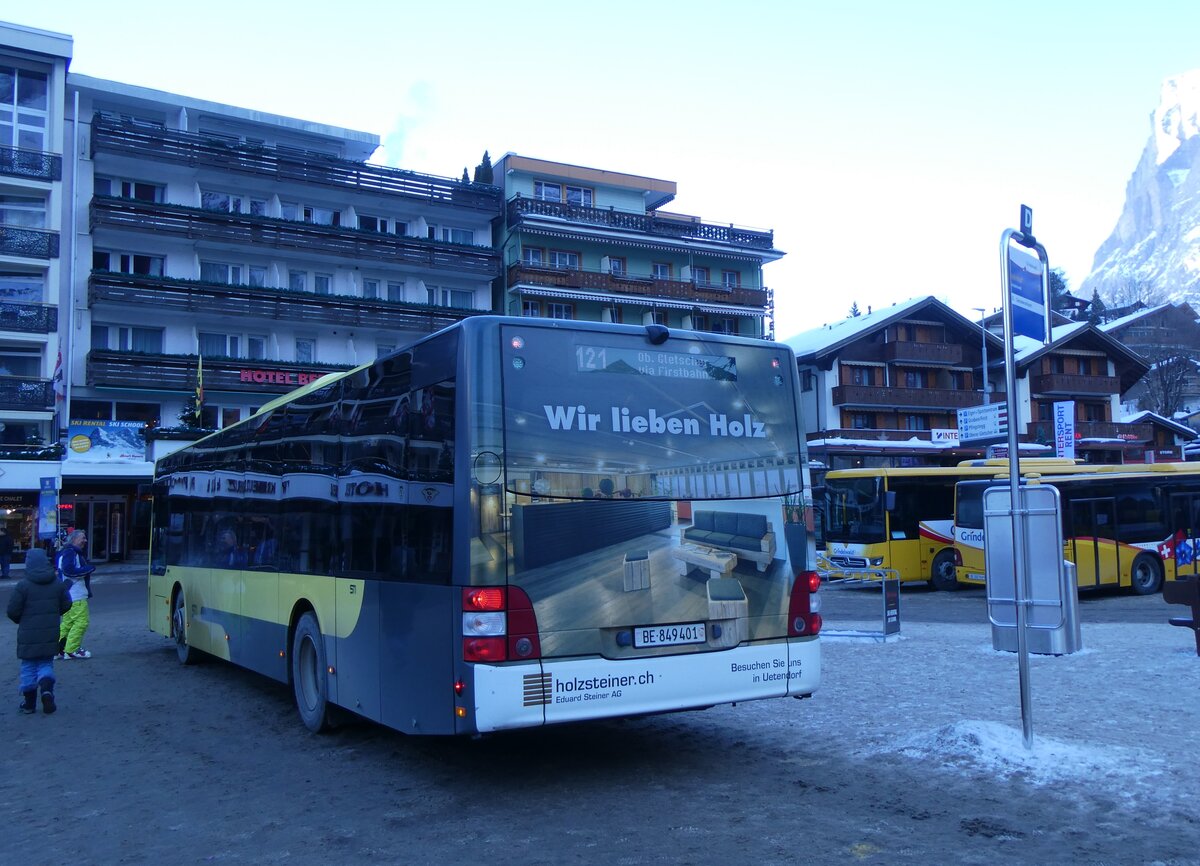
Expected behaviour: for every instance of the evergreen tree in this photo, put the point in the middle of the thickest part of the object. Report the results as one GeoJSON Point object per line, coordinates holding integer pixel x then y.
{"type": "Point", "coordinates": [1059, 293]}
{"type": "Point", "coordinates": [466, 178]}
{"type": "Point", "coordinates": [483, 171]}
{"type": "Point", "coordinates": [854, 312]}
{"type": "Point", "coordinates": [1097, 310]}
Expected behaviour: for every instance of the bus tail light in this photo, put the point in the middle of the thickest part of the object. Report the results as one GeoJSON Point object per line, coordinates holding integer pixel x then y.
{"type": "Point", "coordinates": [804, 618]}
{"type": "Point", "coordinates": [957, 557]}
{"type": "Point", "coordinates": [499, 624]}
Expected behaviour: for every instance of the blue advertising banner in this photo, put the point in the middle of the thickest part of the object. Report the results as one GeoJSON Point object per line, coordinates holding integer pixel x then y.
{"type": "Point", "coordinates": [106, 442]}
{"type": "Point", "coordinates": [47, 513]}
{"type": "Point", "coordinates": [1025, 291]}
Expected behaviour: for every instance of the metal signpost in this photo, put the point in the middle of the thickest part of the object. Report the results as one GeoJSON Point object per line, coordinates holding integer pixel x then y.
{"type": "Point", "coordinates": [1025, 291]}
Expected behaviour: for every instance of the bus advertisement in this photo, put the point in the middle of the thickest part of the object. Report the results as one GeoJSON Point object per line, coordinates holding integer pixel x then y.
{"type": "Point", "coordinates": [903, 518]}
{"type": "Point", "coordinates": [1129, 526]}
{"type": "Point", "coordinates": [481, 531]}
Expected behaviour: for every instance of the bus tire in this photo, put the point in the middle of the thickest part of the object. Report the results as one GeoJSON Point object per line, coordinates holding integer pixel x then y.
{"type": "Point", "coordinates": [185, 652]}
{"type": "Point", "coordinates": [943, 576]}
{"type": "Point", "coordinates": [1146, 576]}
{"type": "Point", "coordinates": [309, 675]}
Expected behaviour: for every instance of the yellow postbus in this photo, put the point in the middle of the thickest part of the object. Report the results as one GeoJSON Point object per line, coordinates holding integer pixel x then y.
{"type": "Point", "coordinates": [1130, 526]}
{"type": "Point", "coordinates": [903, 518]}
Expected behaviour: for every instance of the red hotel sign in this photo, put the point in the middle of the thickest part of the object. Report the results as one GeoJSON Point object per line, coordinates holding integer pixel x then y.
{"type": "Point", "coordinates": [278, 377]}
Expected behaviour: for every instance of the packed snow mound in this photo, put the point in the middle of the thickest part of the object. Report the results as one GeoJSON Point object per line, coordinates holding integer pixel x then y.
{"type": "Point", "coordinates": [999, 751]}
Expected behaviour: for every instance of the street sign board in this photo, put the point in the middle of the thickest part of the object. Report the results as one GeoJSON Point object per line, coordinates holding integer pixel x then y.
{"type": "Point", "coordinates": [983, 422]}
{"type": "Point", "coordinates": [1027, 292]}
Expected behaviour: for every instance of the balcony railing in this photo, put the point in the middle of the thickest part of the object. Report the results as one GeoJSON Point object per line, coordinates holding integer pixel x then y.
{"type": "Point", "coordinates": [36, 164]}
{"type": "Point", "coordinates": [268, 232]}
{"type": "Point", "coordinates": [30, 243]}
{"type": "Point", "coordinates": [628, 284]}
{"type": "Point", "coordinates": [923, 353]}
{"type": "Point", "coordinates": [197, 149]}
{"type": "Point", "coordinates": [106, 367]}
{"type": "Point", "coordinates": [24, 394]}
{"type": "Point", "coordinates": [520, 209]}
{"type": "Point", "coordinates": [1043, 431]}
{"type": "Point", "coordinates": [28, 318]}
{"type": "Point", "coordinates": [905, 398]}
{"type": "Point", "coordinates": [872, 434]}
{"type": "Point", "coordinates": [264, 303]}
{"type": "Point", "coordinates": [1064, 384]}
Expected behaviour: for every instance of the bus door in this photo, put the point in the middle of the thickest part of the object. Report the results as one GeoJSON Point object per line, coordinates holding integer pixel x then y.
{"type": "Point", "coordinates": [1185, 520]}
{"type": "Point", "coordinates": [1090, 528]}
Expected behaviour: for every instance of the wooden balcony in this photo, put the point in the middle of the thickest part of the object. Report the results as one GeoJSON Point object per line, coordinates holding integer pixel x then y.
{"type": "Point", "coordinates": [263, 303]}
{"type": "Point", "coordinates": [521, 210]}
{"type": "Point", "coordinates": [20, 393]}
{"type": "Point", "coordinates": [198, 149]}
{"type": "Point", "coordinates": [30, 243]}
{"type": "Point", "coordinates": [629, 284]}
{"type": "Point", "coordinates": [265, 233]}
{"type": "Point", "coordinates": [1061, 384]}
{"type": "Point", "coordinates": [28, 318]}
{"type": "Point", "coordinates": [1043, 431]}
{"type": "Point", "coordinates": [906, 351]}
{"type": "Point", "coordinates": [114, 369]}
{"type": "Point", "coordinates": [34, 164]}
{"type": "Point", "coordinates": [943, 399]}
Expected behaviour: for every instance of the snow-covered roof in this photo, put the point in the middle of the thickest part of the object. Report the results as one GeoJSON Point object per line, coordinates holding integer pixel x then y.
{"type": "Point", "coordinates": [1155, 418]}
{"type": "Point", "coordinates": [1133, 317]}
{"type": "Point", "coordinates": [808, 342]}
{"type": "Point", "coordinates": [1024, 347]}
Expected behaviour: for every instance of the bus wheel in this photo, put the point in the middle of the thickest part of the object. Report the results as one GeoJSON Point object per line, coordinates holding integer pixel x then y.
{"type": "Point", "coordinates": [187, 654]}
{"type": "Point", "coordinates": [309, 675]}
{"type": "Point", "coordinates": [942, 576]}
{"type": "Point", "coordinates": [1146, 576]}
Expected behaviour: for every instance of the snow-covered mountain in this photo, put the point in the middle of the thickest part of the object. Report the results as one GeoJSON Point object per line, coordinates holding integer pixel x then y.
{"type": "Point", "coordinates": [1156, 243]}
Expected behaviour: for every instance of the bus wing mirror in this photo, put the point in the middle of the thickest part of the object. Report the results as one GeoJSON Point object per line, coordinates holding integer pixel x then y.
{"type": "Point", "coordinates": [889, 500]}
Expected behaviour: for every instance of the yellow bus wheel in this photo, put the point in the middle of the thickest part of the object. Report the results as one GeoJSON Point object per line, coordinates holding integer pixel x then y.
{"type": "Point", "coordinates": [309, 675]}
{"type": "Point", "coordinates": [187, 654]}
{"type": "Point", "coordinates": [1146, 575]}
{"type": "Point", "coordinates": [943, 575]}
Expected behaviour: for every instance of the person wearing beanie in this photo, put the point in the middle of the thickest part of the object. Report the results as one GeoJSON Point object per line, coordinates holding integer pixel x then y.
{"type": "Point", "coordinates": [36, 605]}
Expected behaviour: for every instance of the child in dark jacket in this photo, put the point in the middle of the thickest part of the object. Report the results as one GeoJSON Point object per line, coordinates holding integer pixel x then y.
{"type": "Point", "coordinates": [37, 604]}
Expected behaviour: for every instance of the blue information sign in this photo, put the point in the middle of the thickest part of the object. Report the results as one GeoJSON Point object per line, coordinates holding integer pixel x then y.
{"type": "Point", "coordinates": [1025, 291]}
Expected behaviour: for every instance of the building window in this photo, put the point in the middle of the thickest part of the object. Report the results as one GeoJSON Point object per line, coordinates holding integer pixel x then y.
{"type": "Point", "coordinates": [220, 272]}
{"type": "Point", "coordinates": [731, 279]}
{"type": "Point", "coordinates": [660, 270]}
{"type": "Point", "coordinates": [547, 191]}
{"type": "Point", "coordinates": [306, 350]}
{"type": "Point", "coordinates": [531, 308]}
{"type": "Point", "coordinates": [373, 223]}
{"type": "Point", "coordinates": [862, 376]}
{"type": "Point", "coordinates": [298, 281]}
{"type": "Point", "coordinates": [256, 347]}
{"type": "Point", "coordinates": [560, 311]}
{"type": "Point", "coordinates": [128, 263]}
{"type": "Point", "coordinates": [579, 195]}
{"type": "Point", "coordinates": [563, 259]}
{"type": "Point", "coordinates": [213, 344]}
{"type": "Point", "coordinates": [22, 288]}
{"type": "Point", "coordinates": [213, 417]}
{"type": "Point", "coordinates": [24, 107]}
{"type": "Point", "coordinates": [533, 256]}
{"type": "Point", "coordinates": [862, 420]}
{"type": "Point", "coordinates": [20, 361]}
{"type": "Point", "coordinates": [323, 216]}
{"type": "Point", "coordinates": [442, 297]}
{"type": "Point", "coordinates": [916, 422]}
{"type": "Point", "coordinates": [658, 317]}
{"type": "Point", "coordinates": [958, 380]}
{"type": "Point", "coordinates": [25, 211]}
{"type": "Point", "coordinates": [700, 276]}
{"type": "Point", "coordinates": [371, 289]}
{"type": "Point", "coordinates": [147, 412]}
{"type": "Point", "coordinates": [92, 410]}
{"type": "Point", "coordinates": [127, 339]}
{"type": "Point", "coordinates": [258, 276]}
{"type": "Point", "coordinates": [914, 379]}
{"type": "Point", "coordinates": [724, 325]}
{"type": "Point", "coordinates": [458, 236]}
{"type": "Point", "coordinates": [323, 283]}
{"type": "Point", "coordinates": [616, 265]}
{"type": "Point", "coordinates": [806, 380]}
{"type": "Point", "coordinates": [222, 201]}
{"type": "Point", "coordinates": [395, 291]}
{"type": "Point", "coordinates": [128, 189]}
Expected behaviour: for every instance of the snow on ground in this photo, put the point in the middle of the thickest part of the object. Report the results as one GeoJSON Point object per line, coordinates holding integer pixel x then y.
{"type": "Point", "coordinates": [1119, 716]}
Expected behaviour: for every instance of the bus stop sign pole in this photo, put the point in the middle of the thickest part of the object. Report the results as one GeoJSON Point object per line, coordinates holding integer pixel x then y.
{"type": "Point", "coordinates": [1027, 309]}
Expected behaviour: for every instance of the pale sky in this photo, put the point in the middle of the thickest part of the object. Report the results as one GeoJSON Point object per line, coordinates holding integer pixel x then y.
{"type": "Point", "coordinates": [887, 144]}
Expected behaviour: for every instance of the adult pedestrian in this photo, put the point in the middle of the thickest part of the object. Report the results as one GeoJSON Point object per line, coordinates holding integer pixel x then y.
{"type": "Point", "coordinates": [36, 605]}
{"type": "Point", "coordinates": [6, 552]}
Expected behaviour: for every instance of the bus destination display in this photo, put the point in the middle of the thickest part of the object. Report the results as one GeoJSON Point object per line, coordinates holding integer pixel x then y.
{"type": "Point", "coordinates": [643, 362]}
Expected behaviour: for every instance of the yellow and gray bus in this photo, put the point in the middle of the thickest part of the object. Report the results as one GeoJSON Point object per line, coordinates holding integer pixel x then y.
{"type": "Point", "coordinates": [479, 531]}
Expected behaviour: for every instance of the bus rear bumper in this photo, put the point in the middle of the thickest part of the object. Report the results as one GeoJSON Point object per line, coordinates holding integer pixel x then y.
{"type": "Point", "coordinates": [553, 691]}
